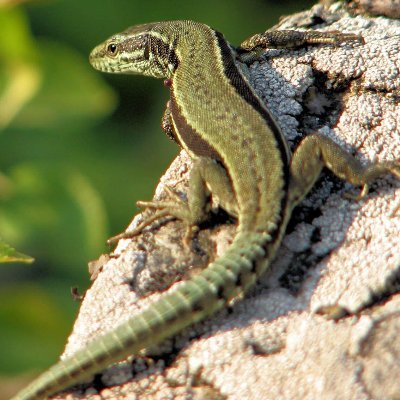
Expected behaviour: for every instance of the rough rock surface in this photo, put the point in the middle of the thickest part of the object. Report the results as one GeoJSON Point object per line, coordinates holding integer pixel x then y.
{"type": "Point", "coordinates": [340, 258]}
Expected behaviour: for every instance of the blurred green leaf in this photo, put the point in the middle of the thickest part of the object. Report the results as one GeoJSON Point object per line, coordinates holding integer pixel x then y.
{"type": "Point", "coordinates": [71, 93]}
{"type": "Point", "coordinates": [53, 211]}
{"type": "Point", "coordinates": [19, 76]}
{"type": "Point", "coordinates": [45, 84]}
{"type": "Point", "coordinates": [10, 255]}
{"type": "Point", "coordinates": [16, 42]}
{"type": "Point", "coordinates": [33, 327]}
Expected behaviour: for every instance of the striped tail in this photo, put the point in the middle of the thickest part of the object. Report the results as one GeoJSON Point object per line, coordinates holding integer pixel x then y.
{"type": "Point", "coordinates": [189, 302]}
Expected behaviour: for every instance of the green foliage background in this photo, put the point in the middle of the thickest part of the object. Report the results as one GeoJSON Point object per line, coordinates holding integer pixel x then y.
{"type": "Point", "coordinates": [77, 149]}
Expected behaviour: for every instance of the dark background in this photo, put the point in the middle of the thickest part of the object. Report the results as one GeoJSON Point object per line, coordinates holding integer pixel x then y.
{"type": "Point", "coordinates": [77, 149]}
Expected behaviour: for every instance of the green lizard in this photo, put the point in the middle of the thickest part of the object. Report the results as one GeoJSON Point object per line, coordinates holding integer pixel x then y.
{"type": "Point", "coordinates": [239, 155]}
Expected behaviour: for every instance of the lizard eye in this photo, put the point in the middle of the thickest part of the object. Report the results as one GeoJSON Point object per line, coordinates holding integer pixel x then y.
{"type": "Point", "coordinates": [112, 49]}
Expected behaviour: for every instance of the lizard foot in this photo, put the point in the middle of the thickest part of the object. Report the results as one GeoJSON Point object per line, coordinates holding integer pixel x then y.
{"type": "Point", "coordinates": [174, 207]}
{"type": "Point", "coordinates": [391, 167]}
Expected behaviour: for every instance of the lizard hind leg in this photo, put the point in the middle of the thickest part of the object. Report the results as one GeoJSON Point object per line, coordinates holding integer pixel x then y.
{"type": "Point", "coordinates": [316, 151]}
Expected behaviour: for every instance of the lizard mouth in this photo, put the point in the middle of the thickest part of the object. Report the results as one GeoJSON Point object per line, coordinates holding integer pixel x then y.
{"type": "Point", "coordinates": [100, 61]}
{"type": "Point", "coordinates": [95, 59]}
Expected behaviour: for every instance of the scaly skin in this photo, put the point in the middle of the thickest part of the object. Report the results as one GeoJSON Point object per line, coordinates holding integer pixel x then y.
{"type": "Point", "coordinates": [239, 154]}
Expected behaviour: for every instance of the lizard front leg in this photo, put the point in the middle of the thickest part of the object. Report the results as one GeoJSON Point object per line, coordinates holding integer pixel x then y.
{"type": "Point", "coordinates": [252, 48]}
{"type": "Point", "coordinates": [167, 125]}
{"type": "Point", "coordinates": [206, 175]}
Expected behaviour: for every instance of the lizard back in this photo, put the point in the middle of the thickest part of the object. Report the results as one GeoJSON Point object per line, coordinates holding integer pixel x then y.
{"type": "Point", "coordinates": [241, 135]}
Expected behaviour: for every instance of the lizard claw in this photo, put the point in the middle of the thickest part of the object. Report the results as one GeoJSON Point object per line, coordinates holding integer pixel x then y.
{"type": "Point", "coordinates": [394, 167]}
{"type": "Point", "coordinates": [357, 197]}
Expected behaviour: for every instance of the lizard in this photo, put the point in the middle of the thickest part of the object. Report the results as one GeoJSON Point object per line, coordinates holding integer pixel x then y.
{"type": "Point", "coordinates": [240, 156]}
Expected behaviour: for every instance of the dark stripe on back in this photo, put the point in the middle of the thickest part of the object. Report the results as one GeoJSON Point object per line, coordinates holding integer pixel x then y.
{"type": "Point", "coordinates": [189, 135]}
{"type": "Point", "coordinates": [243, 89]}
{"type": "Point", "coordinates": [247, 94]}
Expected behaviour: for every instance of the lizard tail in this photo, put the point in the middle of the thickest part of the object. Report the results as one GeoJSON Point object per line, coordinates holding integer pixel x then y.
{"type": "Point", "coordinates": [225, 279]}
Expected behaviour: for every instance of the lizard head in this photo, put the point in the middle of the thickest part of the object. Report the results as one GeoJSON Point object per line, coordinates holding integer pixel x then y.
{"type": "Point", "coordinates": [142, 49]}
